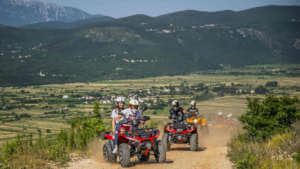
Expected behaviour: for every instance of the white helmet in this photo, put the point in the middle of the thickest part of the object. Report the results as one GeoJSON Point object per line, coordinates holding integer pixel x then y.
{"type": "Point", "coordinates": [120, 99]}
{"type": "Point", "coordinates": [193, 103]}
{"type": "Point", "coordinates": [175, 103]}
{"type": "Point", "coordinates": [134, 102]}
{"type": "Point", "coordinates": [229, 115]}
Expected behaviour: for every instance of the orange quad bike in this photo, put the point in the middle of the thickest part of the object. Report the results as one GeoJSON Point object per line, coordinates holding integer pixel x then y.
{"type": "Point", "coordinates": [201, 122]}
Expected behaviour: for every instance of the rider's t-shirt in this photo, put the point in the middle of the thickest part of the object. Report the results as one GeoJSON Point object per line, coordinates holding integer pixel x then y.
{"type": "Point", "coordinates": [114, 114]}
{"type": "Point", "coordinates": [193, 111]}
{"type": "Point", "coordinates": [177, 114]}
{"type": "Point", "coordinates": [131, 113]}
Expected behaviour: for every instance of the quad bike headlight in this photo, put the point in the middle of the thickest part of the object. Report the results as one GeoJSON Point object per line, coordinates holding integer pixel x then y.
{"type": "Point", "coordinates": [203, 122]}
{"type": "Point", "coordinates": [195, 121]}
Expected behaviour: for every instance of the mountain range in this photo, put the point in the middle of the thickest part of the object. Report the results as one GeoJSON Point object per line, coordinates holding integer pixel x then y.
{"type": "Point", "coordinates": [23, 12]}
{"type": "Point", "coordinates": [142, 46]}
{"type": "Point", "coordinates": [68, 25]}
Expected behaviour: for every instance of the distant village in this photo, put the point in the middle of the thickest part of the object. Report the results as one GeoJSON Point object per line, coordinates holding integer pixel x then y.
{"type": "Point", "coordinates": [152, 96]}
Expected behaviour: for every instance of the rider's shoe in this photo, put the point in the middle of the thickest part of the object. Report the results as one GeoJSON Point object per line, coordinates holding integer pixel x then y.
{"type": "Point", "coordinates": [115, 150]}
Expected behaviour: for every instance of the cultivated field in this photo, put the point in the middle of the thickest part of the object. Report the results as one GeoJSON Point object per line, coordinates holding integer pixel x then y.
{"type": "Point", "coordinates": [46, 109]}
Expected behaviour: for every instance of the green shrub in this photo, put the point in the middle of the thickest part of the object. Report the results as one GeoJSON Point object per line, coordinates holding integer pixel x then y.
{"type": "Point", "coordinates": [270, 137]}
{"type": "Point", "coordinates": [96, 109]}
{"type": "Point", "coordinates": [84, 130]}
{"type": "Point", "coordinates": [273, 153]}
{"type": "Point", "coordinates": [243, 153]}
{"type": "Point", "coordinates": [58, 151]}
{"type": "Point", "coordinates": [247, 161]}
{"type": "Point", "coordinates": [272, 115]}
{"type": "Point", "coordinates": [11, 148]}
{"type": "Point", "coordinates": [296, 155]}
{"type": "Point", "coordinates": [271, 84]}
{"type": "Point", "coordinates": [261, 90]}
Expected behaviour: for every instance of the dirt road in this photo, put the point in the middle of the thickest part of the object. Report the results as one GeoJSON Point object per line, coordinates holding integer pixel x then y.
{"type": "Point", "coordinates": [212, 155]}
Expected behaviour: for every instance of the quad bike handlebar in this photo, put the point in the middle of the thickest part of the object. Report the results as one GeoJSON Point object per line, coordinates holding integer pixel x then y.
{"type": "Point", "coordinates": [134, 121]}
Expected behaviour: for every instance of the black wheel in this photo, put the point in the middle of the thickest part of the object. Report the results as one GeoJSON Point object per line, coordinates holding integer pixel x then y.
{"type": "Point", "coordinates": [124, 152]}
{"type": "Point", "coordinates": [160, 155]}
{"type": "Point", "coordinates": [194, 142]}
{"type": "Point", "coordinates": [166, 142]}
{"type": "Point", "coordinates": [107, 153]}
{"type": "Point", "coordinates": [144, 158]}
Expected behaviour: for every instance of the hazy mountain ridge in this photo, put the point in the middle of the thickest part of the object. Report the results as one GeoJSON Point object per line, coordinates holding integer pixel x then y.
{"type": "Point", "coordinates": [140, 46]}
{"type": "Point", "coordinates": [21, 12]}
{"type": "Point", "coordinates": [69, 25]}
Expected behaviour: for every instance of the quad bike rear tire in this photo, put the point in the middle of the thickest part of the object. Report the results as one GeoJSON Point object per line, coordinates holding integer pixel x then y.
{"type": "Point", "coordinates": [107, 153]}
{"type": "Point", "coordinates": [165, 141]}
{"type": "Point", "coordinates": [194, 142]}
{"type": "Point", "coordinates": [124, 153]}
{"type": "Point", "coordinates": [160, 155]}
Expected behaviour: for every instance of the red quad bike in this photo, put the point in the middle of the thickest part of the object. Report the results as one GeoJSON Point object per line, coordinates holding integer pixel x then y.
{"type": "Point", "coordinates": [134, 141]}
{"type": "Point", "coordinates": [180, 133]}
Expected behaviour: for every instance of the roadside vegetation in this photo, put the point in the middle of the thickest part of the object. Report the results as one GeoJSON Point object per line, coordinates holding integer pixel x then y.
{"type": "Point", "coordinates": [25, 152]}
{"type": "Point", "coordinates": [271, 136]}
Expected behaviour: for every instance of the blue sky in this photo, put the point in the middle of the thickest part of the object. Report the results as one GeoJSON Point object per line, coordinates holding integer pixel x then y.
{"type": "Point", "coordinates": [121, 8]}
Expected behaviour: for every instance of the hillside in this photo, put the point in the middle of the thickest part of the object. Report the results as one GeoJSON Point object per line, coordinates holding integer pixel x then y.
{"type": "Point", "coordinates": [22, 12]}
{"type": "Point", "coordinates": [141, 46]}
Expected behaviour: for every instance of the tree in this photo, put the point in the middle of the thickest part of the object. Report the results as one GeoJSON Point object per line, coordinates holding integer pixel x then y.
{"type": "Point", "coordinates": [261, 90]}
{"type": "Point", "coordinates": [172, 90]}
{"type": "Point", "coordinates": [271, 84]}
{"type": "Point", "coordinates": [96, 109]}
{"type": "Point", "coordinates": [269, 116]}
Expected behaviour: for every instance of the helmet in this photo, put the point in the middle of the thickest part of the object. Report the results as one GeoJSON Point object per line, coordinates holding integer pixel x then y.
{"type": "Point", "coordinates": [120, 99]}
{"type": "Point", "coordinates": [229, 115]}
{"type": "Point", "coordinates": [134, 102]}
{"type": "Point", "coordinates": [175, 103]}
{"type": "Point", "coordinates": [193, 103]}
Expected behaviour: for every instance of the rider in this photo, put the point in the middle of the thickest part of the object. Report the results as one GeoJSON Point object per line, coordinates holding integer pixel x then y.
{"type": "Point", "coordinates": [132, 111]}
{"type": "Point", "coordinates": [176, 112]}
{"type": "Point", "coordinates": [116, 117]}
{"type": "Point", "coordinates": [193, 111]}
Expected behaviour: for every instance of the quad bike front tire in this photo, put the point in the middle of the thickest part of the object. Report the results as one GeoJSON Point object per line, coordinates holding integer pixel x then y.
{"type": "Point", "coordinates": [160, 155]}
{"type": "Point", "coordinates": [194, 142]}
{"type": "Point", "coordinates": [165, 141]}
{"type": "Point", "coordinates": [124, 153]}
{"type": "Point", "coordinates": [144, 158]}
{"type": "Point", "coordinates": [107, 153]}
